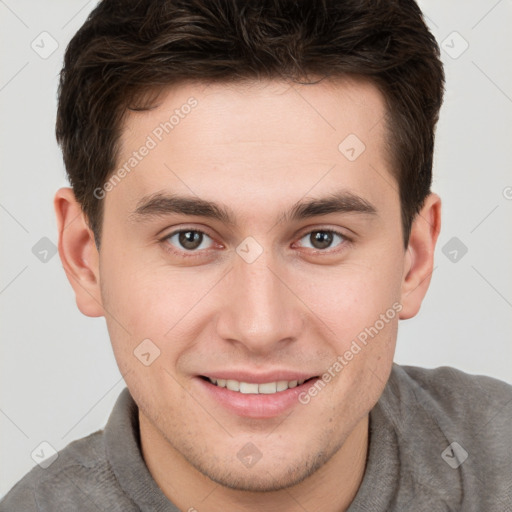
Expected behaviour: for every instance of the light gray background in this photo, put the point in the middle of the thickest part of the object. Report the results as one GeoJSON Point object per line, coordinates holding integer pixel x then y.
{"type": "Point", "coordinates": [59, 379]}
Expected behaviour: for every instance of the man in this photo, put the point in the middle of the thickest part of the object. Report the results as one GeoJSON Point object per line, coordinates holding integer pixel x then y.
{"type": "Point", "coordinates": [251, 212]}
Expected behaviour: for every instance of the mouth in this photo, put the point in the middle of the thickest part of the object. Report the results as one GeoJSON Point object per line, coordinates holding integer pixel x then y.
{"type": "Point", "coordinates": [255, 395]}
{"type": "Point", "coordinates": [253, 388]}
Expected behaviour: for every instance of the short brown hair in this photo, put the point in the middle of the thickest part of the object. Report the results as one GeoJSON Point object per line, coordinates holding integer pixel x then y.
{"type": "Point", "coordinates": [128, 48]}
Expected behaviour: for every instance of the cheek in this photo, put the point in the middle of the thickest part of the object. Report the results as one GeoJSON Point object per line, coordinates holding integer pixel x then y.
{"type": "Point", "coordinates": [359, 303]}
{"type": "Point", "coordinates": [352, 296]}
{"type": "Point", "coordinates": [155, 302]}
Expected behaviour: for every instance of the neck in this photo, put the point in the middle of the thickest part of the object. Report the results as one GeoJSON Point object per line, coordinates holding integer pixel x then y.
{"type": "Point", "coordinates": [330, 489]}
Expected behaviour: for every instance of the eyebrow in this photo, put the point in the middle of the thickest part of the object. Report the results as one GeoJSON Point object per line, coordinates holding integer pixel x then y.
{"type": "Point", "coordinates": [161, 204]}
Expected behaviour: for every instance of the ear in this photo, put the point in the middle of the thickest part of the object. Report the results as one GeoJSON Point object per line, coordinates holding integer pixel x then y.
{"type": "Point", "coordinates": [78, 253]}
{"type": "Point", "coordinates": [419, 258]}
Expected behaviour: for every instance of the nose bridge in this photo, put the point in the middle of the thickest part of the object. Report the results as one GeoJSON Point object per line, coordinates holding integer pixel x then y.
{"type": "Point", "coordinates": [260, 312]}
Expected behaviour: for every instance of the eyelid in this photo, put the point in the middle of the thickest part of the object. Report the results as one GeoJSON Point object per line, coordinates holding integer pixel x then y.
{"type": "Point", "coordinates": [339, 231]}
{"type": "Point", "coordinates": [185, 227]}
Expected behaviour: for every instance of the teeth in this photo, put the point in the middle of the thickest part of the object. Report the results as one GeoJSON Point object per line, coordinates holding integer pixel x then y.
{"type": "Point", "coordinates": [267, 388]}
{"type": "Point", "coordinates": [233, 385]}
{"type": "Point", "coordinates": [247, 388]}
{"type": "Point", "coordinates": [282, 385]}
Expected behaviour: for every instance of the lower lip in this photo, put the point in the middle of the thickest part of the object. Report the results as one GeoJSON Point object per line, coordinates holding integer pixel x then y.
{"type": "Point", "coordinates": [252, 405]}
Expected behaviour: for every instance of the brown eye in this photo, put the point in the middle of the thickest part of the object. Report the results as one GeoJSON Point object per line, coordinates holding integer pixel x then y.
{"type": "Point", "coordinates": [189, 239]}
{"type": "Point", "coordinates": [321, 239]}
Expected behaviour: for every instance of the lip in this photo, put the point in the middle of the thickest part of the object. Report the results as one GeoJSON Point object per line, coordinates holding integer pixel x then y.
{"type": "Point", "coordinates": [257, 406]}
{"type": "Point", "coordinates": [260, 378]}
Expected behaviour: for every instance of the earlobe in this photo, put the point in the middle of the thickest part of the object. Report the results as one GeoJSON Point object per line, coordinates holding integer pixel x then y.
{"type": "Point", "coordinates": [78, 253]}
{"type": "Point", "coordinates": [419, 257]}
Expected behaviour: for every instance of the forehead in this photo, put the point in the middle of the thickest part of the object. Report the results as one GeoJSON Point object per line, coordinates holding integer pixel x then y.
{"type": "Point", "coordinates": [244, 141]}
{"type": "Point", "coordinates": [327, 106]}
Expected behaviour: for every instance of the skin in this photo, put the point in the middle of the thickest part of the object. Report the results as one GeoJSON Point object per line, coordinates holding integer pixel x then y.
{"type": "Point", "coordinates": [257, 149]}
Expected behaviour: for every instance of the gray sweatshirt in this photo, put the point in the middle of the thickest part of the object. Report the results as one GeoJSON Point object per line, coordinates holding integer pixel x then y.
{"type": "Point", "coordinates": [440, 440]}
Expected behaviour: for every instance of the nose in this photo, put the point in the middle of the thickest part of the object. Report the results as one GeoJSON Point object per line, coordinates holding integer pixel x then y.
{"type": "Point", "coordinates": [259, 310]}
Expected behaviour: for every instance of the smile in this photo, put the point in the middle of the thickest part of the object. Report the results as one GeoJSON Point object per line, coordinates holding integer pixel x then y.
{"type": "Point", "coordinates": [266, 388]}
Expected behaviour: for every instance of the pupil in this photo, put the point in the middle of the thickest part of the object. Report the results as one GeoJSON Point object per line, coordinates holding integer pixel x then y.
{"type": "Point", "coordinates": [321, 239]}
{"type": "Point", "coordinates": [190, 239]}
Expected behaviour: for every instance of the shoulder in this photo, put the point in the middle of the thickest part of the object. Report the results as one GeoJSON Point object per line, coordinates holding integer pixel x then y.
{"type": "Point", "coordinates": [456, 392]}
{"type": "Point", "coordinates": [70, 474]}
{"type": "Point", "coordinates": [453, 435]}
{"type": "Point", "coordinates": [473, 408]}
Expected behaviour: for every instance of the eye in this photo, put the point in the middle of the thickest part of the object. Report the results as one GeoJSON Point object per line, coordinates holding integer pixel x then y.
{"type": "Point", "coordinates": [322, 239]}
{"type": "Point", "coordinates": [189, 240]}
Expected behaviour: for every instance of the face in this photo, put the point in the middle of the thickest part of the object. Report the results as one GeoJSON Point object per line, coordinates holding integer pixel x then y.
{"type": "Point", "coordinates": [254, 243]}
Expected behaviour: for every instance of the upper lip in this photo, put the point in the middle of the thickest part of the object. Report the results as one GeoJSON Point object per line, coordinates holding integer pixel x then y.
{"type": "Point", "coordinates": [259, 378]}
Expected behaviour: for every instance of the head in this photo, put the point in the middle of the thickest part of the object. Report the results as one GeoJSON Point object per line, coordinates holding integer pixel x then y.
{"type": "Point", "coordinates": [292, 145]}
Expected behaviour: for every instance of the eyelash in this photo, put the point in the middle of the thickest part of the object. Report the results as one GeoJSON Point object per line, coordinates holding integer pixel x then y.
{"type": "Point", "coordinates": [198, 253]}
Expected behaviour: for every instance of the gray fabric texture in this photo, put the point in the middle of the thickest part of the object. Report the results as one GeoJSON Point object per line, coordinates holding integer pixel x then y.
{"type": "Point", "coordinates": [412, 462]}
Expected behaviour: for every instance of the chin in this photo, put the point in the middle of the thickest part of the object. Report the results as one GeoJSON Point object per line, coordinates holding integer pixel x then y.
{"type": "Point", "coordinates": [265, 477]}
